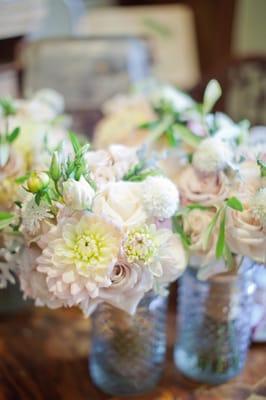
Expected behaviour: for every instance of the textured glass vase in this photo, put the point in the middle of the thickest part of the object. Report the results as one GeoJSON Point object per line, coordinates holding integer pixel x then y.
{"type": "Point", "coordinates": [214, 324]}
{"type": "Point", "coordinates": [128, 352]}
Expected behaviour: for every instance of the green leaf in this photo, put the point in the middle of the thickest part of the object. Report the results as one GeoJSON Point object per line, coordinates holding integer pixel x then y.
{"type": "Point", "coordinates": [4, 154]}
{"type": "Point", "coordinates": [7, 106]}
{"type": "Point", "coordinates": [13, 135]}
{"type": "Point", "coordinates": [149, 125]}
{"type": "Point", "coordinates": [22, 179]}
{"type": "Point", "coordinates": [212, 93]}
{"type": "Point", "coordinates": [38, 198]}
{"type": "Point", "coordinates": [211, 227]}
{"type": "Point", "coordinates": [262, 166]}
{"type": "Point", "coordinates": [5, 219]}
{"type": "Point", "coordinates": [219, 251]}
{"type": "Point", "coordinates": [198, 207]}
{"type": "Point", "coordinates": [178, 228]}
{"type": "Point", "coordinates": [186, 135]}
{"type": "Point", "coordinates": [75, 142]}
{"type": "Point", "coordinates": [235, 203]}
{"type": "Point", "coordinates": [171, 138]}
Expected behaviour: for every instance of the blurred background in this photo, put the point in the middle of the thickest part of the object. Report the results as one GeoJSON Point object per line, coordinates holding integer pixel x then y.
{"type": "Point", "coordinates": [91, 49]}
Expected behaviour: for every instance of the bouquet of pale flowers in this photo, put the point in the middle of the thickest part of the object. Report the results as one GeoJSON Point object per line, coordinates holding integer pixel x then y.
{"type": "Point", "coordinates": [223, 214]}
{"type": "Point", "coordinates": [96, 227]}
{"type": "Point", "coordinates": [29, 131]}
{"type": "Point", "coordinates": [168, 120]}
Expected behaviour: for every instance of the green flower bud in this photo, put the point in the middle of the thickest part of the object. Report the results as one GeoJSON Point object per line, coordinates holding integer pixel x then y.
{"type": "Point", "coordinates": [55, 170]}
{"type": "Point", "coordinates": [37, 181]}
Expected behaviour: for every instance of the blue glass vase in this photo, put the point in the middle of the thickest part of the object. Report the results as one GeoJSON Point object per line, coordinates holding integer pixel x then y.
{"type": "Point", "coordinates": [128, 352]}
{"type": "Point", "coordinates": [214, 324]}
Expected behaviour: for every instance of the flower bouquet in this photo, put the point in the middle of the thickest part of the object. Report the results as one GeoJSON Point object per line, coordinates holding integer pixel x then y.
{"type": "Point", "coordinates": [96, 232]}
{"type": "Point", "coordinates": [29, 130]}
{"type": "Point", "coordinates": [222, 223]}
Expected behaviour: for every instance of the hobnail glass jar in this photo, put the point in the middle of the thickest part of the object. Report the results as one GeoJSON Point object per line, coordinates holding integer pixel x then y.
{"type": "Point", "coordinates": [214, 324]}
{"type": "Point", "coordinates": [128, 352]}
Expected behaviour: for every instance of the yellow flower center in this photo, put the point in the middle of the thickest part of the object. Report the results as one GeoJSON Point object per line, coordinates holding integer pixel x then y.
{"type": "Point", "coordinates": [89, 247]}
{"type": "Point", "coordinates": [140, 246]}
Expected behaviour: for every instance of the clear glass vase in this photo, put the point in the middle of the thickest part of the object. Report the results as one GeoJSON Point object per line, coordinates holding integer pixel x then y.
{"type": "Point", "coordinates": [128, 352]}
{"type": "Point", "coordinates": [214, 324]}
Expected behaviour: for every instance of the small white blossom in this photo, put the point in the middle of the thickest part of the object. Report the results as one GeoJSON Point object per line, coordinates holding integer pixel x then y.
{"type": "Point", "coordinates": [160, 197]}
{"type": "Point", "coordinates": [78, 194]}
{"type": "Point", "coordinates": [212, 155]}
{"type": "Point", "coordinates": [33, 214]}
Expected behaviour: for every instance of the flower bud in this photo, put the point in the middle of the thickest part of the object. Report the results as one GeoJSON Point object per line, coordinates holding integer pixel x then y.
{"type": "Point", "coordinates": [55, 171]}
{"type": "Point", "coordinates": [37, 181]}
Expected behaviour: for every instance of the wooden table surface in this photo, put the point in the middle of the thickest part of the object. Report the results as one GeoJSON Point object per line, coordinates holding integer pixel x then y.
{"type": "Point", "coordinates": [43, 355]}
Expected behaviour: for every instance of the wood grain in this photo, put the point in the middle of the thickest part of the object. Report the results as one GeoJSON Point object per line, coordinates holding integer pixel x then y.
{"type": "Point", "coordinates": [43, 356]}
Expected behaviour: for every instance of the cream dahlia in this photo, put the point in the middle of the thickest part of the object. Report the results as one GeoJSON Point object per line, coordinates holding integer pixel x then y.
{"type": "Point", "coordinates": [79, 255]}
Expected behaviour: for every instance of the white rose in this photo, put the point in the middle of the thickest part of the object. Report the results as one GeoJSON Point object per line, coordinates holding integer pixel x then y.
{"type": "Point", "coordinates": [122, 202]}
{"type": "Point", "coordinates": [197, 188]}
{"type": "Point", "coordinates": [78, 194]}
{"type": "Point", "coordinates": [160, 197]}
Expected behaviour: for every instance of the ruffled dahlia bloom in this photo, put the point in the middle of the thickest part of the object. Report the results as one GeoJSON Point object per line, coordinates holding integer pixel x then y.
{"type": "Point", "coordinates": [34, 283]}
{"type": "Point", "coordinates": [159, 250]}
{"type": "Point", "coordinates": [79, 256]}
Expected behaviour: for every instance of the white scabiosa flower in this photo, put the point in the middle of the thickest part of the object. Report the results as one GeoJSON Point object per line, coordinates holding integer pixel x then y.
{"type": "Point", "coordinates": [78, 194]}
{"type": "Point", "coordinates": [160, 197]}
{"type": "Point", "coordinates": [258, 206]}
{"type": "Point", "coordinates": [33, 215]}
{"type": "Point", "coordinates": [212, 156]}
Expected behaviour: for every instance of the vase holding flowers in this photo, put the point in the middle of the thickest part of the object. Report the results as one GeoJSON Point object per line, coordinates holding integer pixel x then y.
{"type": "Point", "coordinates": [128, 351]}
{"type": "Point", "coordinates": [223, 225]}
{"type": "Point", "coordinates": [96, 233]}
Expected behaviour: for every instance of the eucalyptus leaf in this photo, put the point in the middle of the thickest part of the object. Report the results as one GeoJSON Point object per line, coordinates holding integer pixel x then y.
{"type": "Point", "coordinates": [212, 93]}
